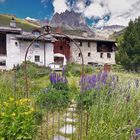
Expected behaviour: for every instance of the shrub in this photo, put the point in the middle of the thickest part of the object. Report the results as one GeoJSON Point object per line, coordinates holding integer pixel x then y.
{"type": "Point", "coordinates": [33, 70]}
{"type": "Point", "coordinates": [56, 96]}
{"type": "Point", "coordinates": [89, 69]}
{"type": "Point", "coordinates": [16, 120]}
{"type": "Point", "coordinates": [73, 70]}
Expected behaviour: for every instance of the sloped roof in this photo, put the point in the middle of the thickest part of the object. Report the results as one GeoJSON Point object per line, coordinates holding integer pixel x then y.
{"type": "Point", "coordinates": [11, 30]}
{"type": "Point", "coordinates": [29, 36]}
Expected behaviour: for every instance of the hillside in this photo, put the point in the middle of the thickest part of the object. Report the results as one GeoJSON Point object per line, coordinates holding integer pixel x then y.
{"type": "Point", "coordinates": [21, 23]}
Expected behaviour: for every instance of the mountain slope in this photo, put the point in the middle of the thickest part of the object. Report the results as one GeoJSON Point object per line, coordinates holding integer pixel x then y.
{"type": "Point", "coordinates": [69, 19]}
{"type": "Point", "coordinates": [21, 23]}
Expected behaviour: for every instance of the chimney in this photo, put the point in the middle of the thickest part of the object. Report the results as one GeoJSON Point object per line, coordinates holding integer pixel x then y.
{"type": "Point", "coordinates": [13, 23]}
{"type": "Point", "coordinates": [85, 34]}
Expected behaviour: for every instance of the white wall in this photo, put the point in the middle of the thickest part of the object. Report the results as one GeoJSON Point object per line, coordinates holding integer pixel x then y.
{"type": "Point", "coordinates": [33, 51]}
{"type": "Point", "coordinates": [49, 53]}
{"type": "Point", "coordinates": [94, 55]}
{"type": "Point", "coordinates": [16, 53]}
{"type": "Point", "coordinates": [13, 51]}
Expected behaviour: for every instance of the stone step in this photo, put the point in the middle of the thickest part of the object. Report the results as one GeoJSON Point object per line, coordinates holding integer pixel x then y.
{"type": "Point", "coordinates": [68, 129]}
{"type": "Point", "coordinates": [73, 105]}
{"type": "Point", "coordinates": [71, 109]}
{"type": "Point", "coordinates": [59, 137]}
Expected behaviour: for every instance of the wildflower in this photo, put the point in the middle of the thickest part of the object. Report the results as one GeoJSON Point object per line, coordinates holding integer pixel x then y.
{"type": "Point", "coordinates": [5, 104]}
{"type": "Point", "coordinates": [104, 78]}
{"type": "Point", "coordinates": [32, 109]}
{"type": "Point", "coordinates": [2, 114]}
{"type": "Point", "coordinates": [26, 113]}
{"type": "Point", "coordinates": [57, 78]}
{"type": "Point", "coordinates": [63, 71]}
{"type": "Point", "coordinates": [13, 114]}
{"type": "Point", "coordinates": [137, 132]}
{"type": "Point", "coordinates": [11, 99]}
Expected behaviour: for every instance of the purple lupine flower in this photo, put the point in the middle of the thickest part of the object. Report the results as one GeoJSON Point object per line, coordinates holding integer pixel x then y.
{"type": "Point", "coordinates": [63, 71]}
{"type": "Point", "coordinates": [98, 81]}
{"type": "Point", "coordinates": [137, 131]}
{"type": "Point", "coordinates": [104, 77]}
{"type": "Point", "coordinates": [57, 78]}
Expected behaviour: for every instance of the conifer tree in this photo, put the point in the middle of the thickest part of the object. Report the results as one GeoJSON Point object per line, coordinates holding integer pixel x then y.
{"type": "Point", "coordinates": [129, 47]}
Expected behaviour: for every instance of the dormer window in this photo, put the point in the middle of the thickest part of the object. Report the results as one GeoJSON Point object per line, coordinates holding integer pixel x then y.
{"type": "Point", "coordinates": [36, 33]}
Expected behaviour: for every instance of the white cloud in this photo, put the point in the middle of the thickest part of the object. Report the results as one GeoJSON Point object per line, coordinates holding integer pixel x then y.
{"type": "Point", "coordinates": [126, 10]}
{"type": "Point", "coordinates": [32, 19]}
{"type": "Point", "coordinates": [120, 11]}
{"type": "Point", "coordinates": [95, 10]}
{"type": "Point", "coordinates": [2, 1]}
{"type": "Point", "coordinates": [60, 6]}
{"type": "Point", "coordinates": [80, 7]}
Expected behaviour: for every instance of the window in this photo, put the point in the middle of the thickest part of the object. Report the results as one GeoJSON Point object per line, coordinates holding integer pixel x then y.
{"type": "Point", "coordinates": [79, 54]}
{"type": "Point", "coordinates": [37, 58]}
{"type": "Point", "coordinates": [88, 44]}
{"type": "Point", "coordinates": [101, 55]}
{"type": "Point", "coordinates": [108, 55]}
{"type": "Point", "coordinates": [2, 44]}
{"type": "Point", "coordinates": [16, 43]}
{"type": "Point", "coordinates": [89, 54]}
{"type": "Point", "coordinates": [80, 43]}
{"type": "Point", "coordinates": [61, 48]}
{"type": "Point", "coordinates": [36, 33]}
{"type": "Point", "coordinates": [103, 46]}
{"type": "Point", "coordinates": [36, 44]}
{"type": "Point", "coordinates": [3, 63]}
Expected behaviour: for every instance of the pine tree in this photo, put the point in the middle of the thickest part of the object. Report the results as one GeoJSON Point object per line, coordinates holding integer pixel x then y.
{"type": "Point", "coordinates": [129, 47]}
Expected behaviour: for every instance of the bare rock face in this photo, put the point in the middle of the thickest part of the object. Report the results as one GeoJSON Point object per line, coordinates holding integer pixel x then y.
{"type": "Point", "coordinates": [69, 18]}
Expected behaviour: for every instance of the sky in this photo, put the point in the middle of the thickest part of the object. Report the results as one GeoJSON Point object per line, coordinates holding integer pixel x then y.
{"type": "Point", "coordinates": [96, 12]}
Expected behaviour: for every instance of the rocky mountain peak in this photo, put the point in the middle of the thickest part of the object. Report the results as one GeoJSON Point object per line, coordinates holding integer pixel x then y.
{"type": "Point", "coordinates": [69, 18]}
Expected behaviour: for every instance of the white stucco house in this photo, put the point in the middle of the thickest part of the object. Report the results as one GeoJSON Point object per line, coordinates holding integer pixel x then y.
{"type": "Point", "coordinates": [95, 50]}
{"type": "Point", "coordinates": [51, 48]}
{"type": "Point", "coordinates": [13, 45]}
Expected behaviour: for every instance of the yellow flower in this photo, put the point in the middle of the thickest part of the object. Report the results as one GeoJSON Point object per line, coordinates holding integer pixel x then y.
{"type": "Point", "coordinates": [11, 99]}
{"type": "Point", "coordinates": [23, 101]}
{"type": "Point", "coordinates": [2, 114]}
{"type": "Point", "coordinates": [13, 114]}
{"type": "Point", "coordinates": [32, 109]}
{"type": "Point", "coordinates": [5, 104]}
{"type": "Point", "coordinates": [27, 113]}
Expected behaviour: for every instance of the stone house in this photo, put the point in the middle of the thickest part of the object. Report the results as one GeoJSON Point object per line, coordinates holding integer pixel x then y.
{"type": "Point", "coordinates": [95, 51]}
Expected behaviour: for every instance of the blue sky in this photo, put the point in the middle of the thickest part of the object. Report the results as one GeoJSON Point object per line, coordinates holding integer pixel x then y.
{"type": "Point", "coordinates": [27, 8]}
{"type": "Point", "coordinates": [95, 12]}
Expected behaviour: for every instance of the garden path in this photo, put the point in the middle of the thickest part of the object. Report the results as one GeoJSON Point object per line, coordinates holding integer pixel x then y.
{"type": "Point", "coordinates": [69, 128]}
